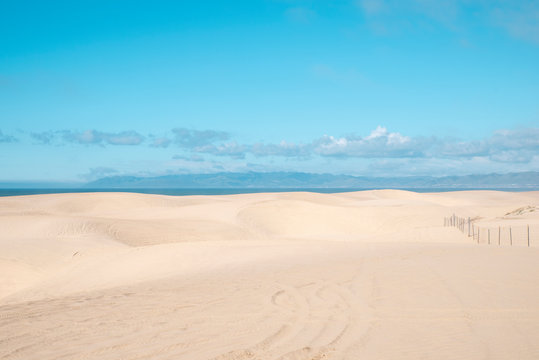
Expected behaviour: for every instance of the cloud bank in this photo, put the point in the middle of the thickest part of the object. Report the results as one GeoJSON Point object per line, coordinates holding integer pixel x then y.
{"type": "Point", "coordinates": [503, 146]}
{"type": "Point", "coordinates": [381, 149]}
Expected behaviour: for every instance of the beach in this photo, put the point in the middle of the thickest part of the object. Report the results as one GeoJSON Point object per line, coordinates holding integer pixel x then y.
{"type": "Point", "coordinates": [298, 275]}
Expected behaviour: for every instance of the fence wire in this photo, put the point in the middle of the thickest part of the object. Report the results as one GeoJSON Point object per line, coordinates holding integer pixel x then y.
{"type": "Point", "coordinates": [513, 235]}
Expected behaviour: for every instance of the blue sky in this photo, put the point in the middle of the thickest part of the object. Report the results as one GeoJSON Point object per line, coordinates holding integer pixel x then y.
{"type": "Point", "coordinates": [369, 87]}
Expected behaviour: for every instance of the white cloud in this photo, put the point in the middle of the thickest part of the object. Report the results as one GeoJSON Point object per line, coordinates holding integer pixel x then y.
{"type": "Point", "coordinates": [379, 143]}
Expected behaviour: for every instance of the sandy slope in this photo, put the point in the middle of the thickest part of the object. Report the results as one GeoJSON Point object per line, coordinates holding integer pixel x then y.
{"type": "Point", "coordinates": [365, 275]}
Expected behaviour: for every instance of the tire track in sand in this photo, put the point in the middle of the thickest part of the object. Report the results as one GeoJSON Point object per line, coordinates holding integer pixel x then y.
{"type": "Point", "coordinates": [324, 318]}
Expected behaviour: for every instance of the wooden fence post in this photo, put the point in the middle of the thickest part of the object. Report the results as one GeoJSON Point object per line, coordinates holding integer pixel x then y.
{"type": "Point", "coordinates": [510, 235]}
{"type": "Point", "coordinates": [468, 226]}
{"type": "Point", "coordinates": [488, 235]}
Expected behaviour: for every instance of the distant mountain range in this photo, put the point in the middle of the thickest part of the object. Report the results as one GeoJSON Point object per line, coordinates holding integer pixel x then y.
{"type": "Point", "coordinates": [294, 180]}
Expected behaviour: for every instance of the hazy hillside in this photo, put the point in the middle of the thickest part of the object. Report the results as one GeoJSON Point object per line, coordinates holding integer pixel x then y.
{"type": "Point", "coordinates": [305, 180]}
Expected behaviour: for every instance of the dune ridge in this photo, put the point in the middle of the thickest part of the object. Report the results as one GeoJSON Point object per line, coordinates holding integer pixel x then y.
{"type": "Point", "coordinates": [370, 274]}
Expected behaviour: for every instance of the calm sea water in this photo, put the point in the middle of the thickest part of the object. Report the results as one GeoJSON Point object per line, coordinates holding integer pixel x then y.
{"type": "Point", "coordinates": [182, 192]}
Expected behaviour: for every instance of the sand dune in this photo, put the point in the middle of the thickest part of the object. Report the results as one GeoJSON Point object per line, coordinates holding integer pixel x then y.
{"type": "Point", "coordinates": [364, 275]}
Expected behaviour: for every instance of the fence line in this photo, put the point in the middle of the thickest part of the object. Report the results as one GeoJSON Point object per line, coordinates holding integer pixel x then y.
{"type": "Point", "coordinates": [483, 234]}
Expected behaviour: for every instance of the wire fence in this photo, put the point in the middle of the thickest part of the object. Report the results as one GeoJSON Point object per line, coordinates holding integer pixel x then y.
{"type": "Point", "coordinates": [514, 235]}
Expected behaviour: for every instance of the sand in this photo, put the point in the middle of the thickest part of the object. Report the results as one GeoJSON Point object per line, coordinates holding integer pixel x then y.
{"type": "Point", "coordinates": [363, 275]}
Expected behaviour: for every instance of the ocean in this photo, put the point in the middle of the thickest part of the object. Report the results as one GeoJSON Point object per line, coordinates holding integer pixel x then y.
{"type": "Point", "coordinates": [230, 191]}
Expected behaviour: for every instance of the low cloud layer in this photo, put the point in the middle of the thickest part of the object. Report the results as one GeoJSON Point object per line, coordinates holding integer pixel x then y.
{"type": "Point", "coordinates": [98, 173]}
{"type": "Point", "coordinates": [503, 146]}
{"type": "Point", "coordinates": [88, 137]}
{"type": "Point", "coordinates": [4, 138]}
{"type": "Point", "coordinates": [94, 137]}
{"type": "Point", "coordinates": [181, 137]}
{"type": "Point", "coordinates": [46, 137]}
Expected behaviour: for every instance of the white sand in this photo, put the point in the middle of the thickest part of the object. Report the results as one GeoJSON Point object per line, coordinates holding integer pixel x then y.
{"type": "Point", "coordinates": [365, 275]}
